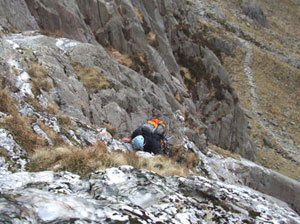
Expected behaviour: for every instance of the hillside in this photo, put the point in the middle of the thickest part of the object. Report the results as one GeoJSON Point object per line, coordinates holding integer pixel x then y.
{"type": "Point", "coordinates": [77, 76]}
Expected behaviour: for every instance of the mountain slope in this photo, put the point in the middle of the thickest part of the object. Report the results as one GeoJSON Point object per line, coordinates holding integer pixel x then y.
{"type": "Point", "coordinates": [76, 76]}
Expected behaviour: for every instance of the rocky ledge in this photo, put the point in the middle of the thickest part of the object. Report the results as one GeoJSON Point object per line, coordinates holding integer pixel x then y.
{"type": "Point", "coordinates": [129, 195]}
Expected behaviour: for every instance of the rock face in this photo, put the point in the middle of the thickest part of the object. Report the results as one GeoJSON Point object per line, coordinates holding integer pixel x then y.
{"type": "Point", "coordinates": [257, 177]}
{"type": "Point", "coordinates": [15, 14]}
{"type": "Point", "coordinates": [161, 36]}
{"type": "Point", "coordinates": [122, 62]}
{"type": "Point", "coordinates": [128, 195]}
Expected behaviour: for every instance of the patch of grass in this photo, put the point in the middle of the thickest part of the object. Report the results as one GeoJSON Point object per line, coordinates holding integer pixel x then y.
{"type": "Point", "coordinates": [140, 17]}
{"type": "Point", "coordinates": [87, 160]}
{"type": "Point", "coordinates": [235, 67]}
{"type": "Point", "coordinates": [18, 126]}
{"type": "Point", "coordinates": [141, 65]}
{"type": "Point", "coordinates": [23, 134]}
{"type": "Point", "coordinates": [91, 77]}
{"type": "Point", "coordinates": [35, 103]}
{"type": "Point", "coordinates": [6, 103]}
{"type": "Point", "coordinates": [123, 59]}
{"type": "Point", "coordinates": [55, 137]}
{"type": "Point", "coordinates": [39, 77]}
{"type": "Point", "coordinates": [78, 161]}
{"type": "Point", "coordinates": [181, 156]}
{"type": "Point", "coordinates": [273, 160]}
{"type": "Point", "coordinates": [55, 34]}
{"type": "Point", "coordinates": [152, 40]}
{"type": "Point", "coordinates": [188, 79]}
{"type": "Point", "coordinates": [137, 62]}
{"type": "Point", "coordinates": [279, 94]}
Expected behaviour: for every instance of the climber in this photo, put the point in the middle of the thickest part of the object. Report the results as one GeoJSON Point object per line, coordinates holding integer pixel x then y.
{"type": "Point", "coordinates": [150, 137]}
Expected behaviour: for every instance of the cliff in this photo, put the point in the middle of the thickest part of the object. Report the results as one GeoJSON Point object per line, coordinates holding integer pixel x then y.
{"type": "Point", "coordinates": [76, 73]}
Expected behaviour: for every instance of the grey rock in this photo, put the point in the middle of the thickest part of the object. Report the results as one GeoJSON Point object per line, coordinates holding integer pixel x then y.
{"type": "Point", "coordinates": [268, 143]}
{"type": "Point", "coordinates": [257, 177]}
{"type": "Point", "coordinates": [3, 166]}
{"type": "Point", "coordinates": [222, 45]}
{"type": "Point", "coordinates": [253, 11]}
{"type": "Point", "coordinates": [14, 151]}
{"type": "Point", "coordinates": [41, 133]}
{"type": "Point", "coordinates": [61, 16]}
{"type": "Point", "coordinates": [133, 98]}
{"type": "Point", "coordinates": [126, 194]}
{"type": "Point", "coordinates": [15, 14]}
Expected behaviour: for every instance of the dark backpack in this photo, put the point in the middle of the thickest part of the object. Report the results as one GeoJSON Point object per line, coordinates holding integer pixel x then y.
{"type": "Point", "coordinates": [155, 126]}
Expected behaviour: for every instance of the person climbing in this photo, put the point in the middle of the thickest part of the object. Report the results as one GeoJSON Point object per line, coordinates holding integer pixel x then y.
{"type": "Point", "coordinates": [150, 137]}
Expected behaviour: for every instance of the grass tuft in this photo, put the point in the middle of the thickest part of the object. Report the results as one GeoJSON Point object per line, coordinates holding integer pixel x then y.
{"type": "Point", "coordinates": [39, 77]}
{"type": "Point", "coordinates": [91, 77]}
{"type": "Point", "coordinates": [23, 134]}
{"type": "Point", "coordinates": [87, 160]}
{"type": "Point", "coordinates": [56, 34]}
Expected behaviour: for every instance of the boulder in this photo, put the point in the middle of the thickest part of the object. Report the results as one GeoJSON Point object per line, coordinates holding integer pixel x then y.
{"type": "Point", "coordinates": [254, 12]}
{"type": "Point", "coordinates": [257, 177]}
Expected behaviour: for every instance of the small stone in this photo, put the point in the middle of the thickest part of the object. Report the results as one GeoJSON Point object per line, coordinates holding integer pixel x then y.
{"type": "Point", "coordinates": [268, 143]}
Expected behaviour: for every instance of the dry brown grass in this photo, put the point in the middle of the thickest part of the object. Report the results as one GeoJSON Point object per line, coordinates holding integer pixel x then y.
{"type": "Point", "coordinates": [20, 128]}
{"type": "Point", "coordinates": [235, 67]}
{"type": "Point", "coordinates": [152, 40]}
{"type": "Point", "coordinates": [87, 160]}
{"type": "Point", "coordinates": [6, 103]}
{"type": "Point", "coordinates": [55, 137]}
{"type": "Point", "coordinates": [123, 59]}
{"type": "Point", "coordinates": [278, 90]}
{"type": "Point", "coordinates": [139, 15]}
{"type": "Point", "coordinates": [282, 18]}
{"type": "Point", "coordinates": [35, 103]}
{"type": "Point", "coordinates": [91, 78]}
{"type": "Point", "coordinates": [79, 161]}
{"type": "Point", "coordinates": [56, 34]}
{"type": "Point", "coordinates": [273, 160]}
{"type": "Point", "coordinates": [181, 156]}
{"type": "Point", "coordinates": [39, 77]}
